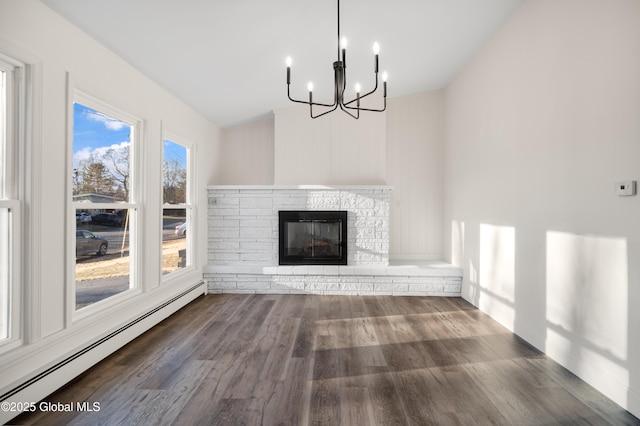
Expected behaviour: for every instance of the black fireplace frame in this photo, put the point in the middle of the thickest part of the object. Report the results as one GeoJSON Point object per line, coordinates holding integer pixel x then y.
{"type": "Point", "coordinates": [285, 216]}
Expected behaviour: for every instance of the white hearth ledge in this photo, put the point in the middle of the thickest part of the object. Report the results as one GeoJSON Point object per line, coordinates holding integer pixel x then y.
{"type": "Point", "coordinates": [288, 187]}
{"type": "Point", "coordinates": [397, 268]}
{"type": "Point", "coordinates": [399, 278]}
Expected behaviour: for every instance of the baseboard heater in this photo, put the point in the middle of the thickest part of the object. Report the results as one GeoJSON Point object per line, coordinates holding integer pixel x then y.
{"type": "Point", "coordinates": [95, 344]}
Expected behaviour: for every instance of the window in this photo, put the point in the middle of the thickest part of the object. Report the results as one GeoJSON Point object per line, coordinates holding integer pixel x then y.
{"type": "Point", "coordinates": [104, 200]}
{"type": "Point", "coordinates": [5, 271]}
{"type": "Point", "coordinates": [177, 212]}
{"type": "Point", "coordinates": [11, 140]}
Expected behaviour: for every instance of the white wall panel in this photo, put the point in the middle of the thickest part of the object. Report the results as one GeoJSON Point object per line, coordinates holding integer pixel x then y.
{"type": "Point", "coordinates": [414, 168]}
{"type": "Point", "coordinates": [248, 154]}
{"type": "Point", "coordinates": [330, 150]}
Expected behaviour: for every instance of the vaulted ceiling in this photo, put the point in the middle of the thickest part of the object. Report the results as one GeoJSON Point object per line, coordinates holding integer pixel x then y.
{"type": "Point", "coordinates": [227, 58]}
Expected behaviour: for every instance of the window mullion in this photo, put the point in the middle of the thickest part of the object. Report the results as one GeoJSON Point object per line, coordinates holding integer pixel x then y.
{"type": "Point", "coordinates": [79, 205]}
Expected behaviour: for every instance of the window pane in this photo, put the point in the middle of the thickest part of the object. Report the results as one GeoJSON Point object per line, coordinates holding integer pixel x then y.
{"type": "Point", "coordinates": [175, 221]}
{"type": "Point", "coordinates": [101, 145]}
{"type": "Point", "coordinates": [103, 265]}
{"type": "Point", "coordinates": [4, 273]}
{"type": "Point", "coordinates": [174, 239]}
{"type": "Point", "coordinates": [174, 170]}
{"type": "Point", "coordinates": [3, 129]}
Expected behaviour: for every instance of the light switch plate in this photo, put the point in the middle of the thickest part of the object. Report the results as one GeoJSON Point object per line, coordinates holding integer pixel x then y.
{"type": "Point", "coordinates": [626, 188]}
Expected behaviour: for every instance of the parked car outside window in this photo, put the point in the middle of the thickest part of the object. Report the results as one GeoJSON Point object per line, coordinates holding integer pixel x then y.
{"type": "Point", "coordinates": [89, 243]}
{"type": "Point", "coordinates": [108, 219]}
{"type": "Point", "coordinates": [181, 229]}
{"type": "Point", "coordinates": [82, 217]}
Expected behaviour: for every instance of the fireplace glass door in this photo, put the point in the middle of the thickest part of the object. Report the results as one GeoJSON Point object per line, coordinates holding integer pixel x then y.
{"type": "Point", "coordinates": [313, 238]}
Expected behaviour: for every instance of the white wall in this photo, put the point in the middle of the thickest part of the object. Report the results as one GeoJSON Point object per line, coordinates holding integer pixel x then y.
{"type": "Point", "coordinates": [330, 150]}
{"type": "Point", "coordinates": [538, 127]}
{"type": "Point", "coordinates": [58, 50]}
{"type": "Point", "coordinates": [248, 152]}
{"type": "Point", "coordinates": [415, 141]}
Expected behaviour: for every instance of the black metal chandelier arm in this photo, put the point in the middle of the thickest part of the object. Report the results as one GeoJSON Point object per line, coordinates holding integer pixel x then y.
{"type": "Point", "coordinates": [344, 108]}
{"type": "Point", "coordinates": [309, 103]}
{"type": "Point", "coordinates": [363, 96]}
{"type": "Point", "coordinates": [335, 106]}
{"type": "Point", "coordinates": [369, 109]}
{"type": "Point", "coordinates": [359, 108]}
{"type": "Point", "coordinates": [313, 103]}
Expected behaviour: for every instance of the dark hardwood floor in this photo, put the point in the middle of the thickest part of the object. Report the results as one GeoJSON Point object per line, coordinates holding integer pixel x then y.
{"type": "Point", "coordinates": [330, 360]}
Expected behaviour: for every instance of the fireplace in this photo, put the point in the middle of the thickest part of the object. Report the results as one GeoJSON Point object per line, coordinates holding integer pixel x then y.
{"type": "Point", "coordinates": [312, 237]}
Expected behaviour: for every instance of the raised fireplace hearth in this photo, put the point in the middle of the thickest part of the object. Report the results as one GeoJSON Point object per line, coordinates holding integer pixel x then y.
{"type": "Point", "coordinates": [312, 237]}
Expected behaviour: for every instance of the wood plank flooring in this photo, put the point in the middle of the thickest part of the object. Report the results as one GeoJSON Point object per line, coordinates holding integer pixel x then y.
{"type": "Point", "coordinates": [330, 360]}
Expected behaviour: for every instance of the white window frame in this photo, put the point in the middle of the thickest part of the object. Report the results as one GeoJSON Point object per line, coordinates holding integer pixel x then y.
{"type": "Point", "coordinates": [188, 206]}
{"type": "Point", "coordinates": [12, 165]}
{"type": "Point", "coordinates": [78, 94]}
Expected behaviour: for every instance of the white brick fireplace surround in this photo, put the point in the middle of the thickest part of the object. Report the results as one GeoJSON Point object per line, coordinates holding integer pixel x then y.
{"type": "Point", "coordinates": [243, 245]}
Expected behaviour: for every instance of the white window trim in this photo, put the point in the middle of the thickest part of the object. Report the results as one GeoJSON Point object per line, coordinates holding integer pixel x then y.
{"type": "Point", "coordinates": [80, 93]}
{"type": "Point", "coordinates": [189, 206]}
{"type": "Point", "coordinates": [13, 143]}
{"type": "Point", "coordinates": [15, 275]}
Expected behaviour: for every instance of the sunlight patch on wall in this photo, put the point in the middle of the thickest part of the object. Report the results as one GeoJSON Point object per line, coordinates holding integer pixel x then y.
{"type": "Point", "coordinates": [587, 287]}
{"type": "Point", "coordinates": [473, 290]}
{"type": "Point", "coordinates": [587, 306]}
{"type": "Point", "coordinates": [497, 272]}
{"type": "Point", "coordinates": [457, 243]}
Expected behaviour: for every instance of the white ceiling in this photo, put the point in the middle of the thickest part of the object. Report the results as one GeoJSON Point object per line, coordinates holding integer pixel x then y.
{"type": "Point", "coordinates": [227, 58]}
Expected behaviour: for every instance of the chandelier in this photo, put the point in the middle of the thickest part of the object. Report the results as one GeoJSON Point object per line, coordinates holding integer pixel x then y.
{"type": "Point", "coordinates": [351, 107]}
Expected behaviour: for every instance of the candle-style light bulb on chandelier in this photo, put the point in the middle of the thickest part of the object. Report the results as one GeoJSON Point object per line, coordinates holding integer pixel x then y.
{"type": "Point", "coordinates": [351, 107]}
